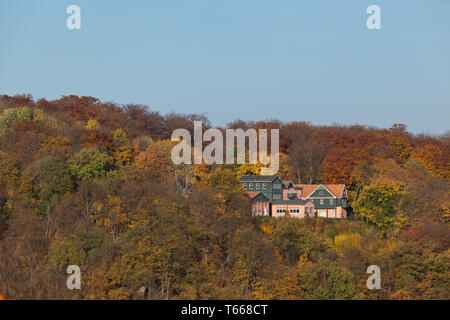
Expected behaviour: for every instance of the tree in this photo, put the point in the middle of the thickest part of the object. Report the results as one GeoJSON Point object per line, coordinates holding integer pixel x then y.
{"type": "Point", "coordinates": [377, 205]}
{"type": "Point", "coordinates": [399, 141]}
{"type": "Point", "coordinates": [89, 164]}
{"type": "Point", "coordinates": [305, 154]}
{"type": "Point", "coordinates": [339, 284]}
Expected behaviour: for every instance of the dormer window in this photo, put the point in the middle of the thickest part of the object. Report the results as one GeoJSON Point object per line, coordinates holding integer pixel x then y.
{"type": "Point", "coordinates": [250, 185]}
{"type": "Point", "coordinates": [264, 185]}
{"type": "Point", "coordinates": [257, 186]}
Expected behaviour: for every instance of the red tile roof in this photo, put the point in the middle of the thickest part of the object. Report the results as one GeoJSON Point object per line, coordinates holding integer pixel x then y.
{"type": "Point", "coordinates": [252, 194]}
{"type": "Point", "coordinates": [336, 189]}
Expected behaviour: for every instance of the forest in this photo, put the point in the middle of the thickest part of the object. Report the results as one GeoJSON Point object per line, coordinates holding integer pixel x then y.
{"type": "Point", "coordinates": [91, 183]}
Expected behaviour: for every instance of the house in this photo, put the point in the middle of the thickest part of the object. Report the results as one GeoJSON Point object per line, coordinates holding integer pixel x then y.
{"type": "Point", "coordinates": [262, 191]}
{"type": "Point", "coordinates": [271, 196]}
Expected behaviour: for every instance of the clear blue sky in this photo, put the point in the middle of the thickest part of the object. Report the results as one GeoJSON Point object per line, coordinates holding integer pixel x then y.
{"type": "Point", "coordinates": [250, 59]}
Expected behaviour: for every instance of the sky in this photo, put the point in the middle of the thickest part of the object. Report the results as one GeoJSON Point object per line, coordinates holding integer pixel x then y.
{"type": "Point", "coordinates": [238, 59]}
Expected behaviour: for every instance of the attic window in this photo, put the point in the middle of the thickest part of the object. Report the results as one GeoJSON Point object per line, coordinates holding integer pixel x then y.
{"type": "Point", "coordinates": [321, 193]}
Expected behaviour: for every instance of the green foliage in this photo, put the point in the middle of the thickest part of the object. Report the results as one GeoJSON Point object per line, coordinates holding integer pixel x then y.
{"type": "Point", "coordinates": [89, 164]}
{"type": "Point", "coordinates": [13, 116]}
{"type": "Point", "coordinates": [63, 253]}
{"type": "Point", "coordinates": [339, 284]}
{"type": "Point", "coordinates": [49, 176]}
{"type": "Point", "coordinates": [377, 204]}
{"type": "Point", "coordinates": [294, 238]}
{"type": "Point", "coordinates": [120, 138]}
{"type": "Point", "coordinates": [91, 240]}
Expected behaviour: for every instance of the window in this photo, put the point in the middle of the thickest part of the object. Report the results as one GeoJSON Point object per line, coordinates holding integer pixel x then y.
{"type": "Point", "coordinates": [321, 201]}
{"type": "Point", "coordinates": [281, 210]}
{"type": "Point", "coordinates": [333, 213]}
{"type": "Point", "coordinates": [277, 186]}
{"type": "Point", "coordinates": [250, 185]}
{"type": "Point", "coordinates": [257, 186]}
{"type": "Point", "coordinates": [244, 185]}
{"type": "Point", "coordinates": [331, 201]}
{"type": "Point", "coordinates": [277, 196]}
{"type": "Point", "coordinates": [294, 210]}
{"type": "Point", "coordinates": [323, 213]}
{"type": "Point", "coordinates": [264, 185]}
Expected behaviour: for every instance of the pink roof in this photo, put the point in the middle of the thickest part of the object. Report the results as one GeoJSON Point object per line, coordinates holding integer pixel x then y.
{"type": "Point", "coordinates": [336, 189]}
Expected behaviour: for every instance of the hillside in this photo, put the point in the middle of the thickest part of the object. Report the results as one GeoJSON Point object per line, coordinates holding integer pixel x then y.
{"type": "Point", "coordinates": [89, 183]}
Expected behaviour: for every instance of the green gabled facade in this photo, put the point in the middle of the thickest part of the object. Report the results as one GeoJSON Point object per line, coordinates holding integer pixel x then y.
{"type": "Point", "coordinates": [261, 197]}
{"type": "Point", "coordinates": [321, 192]}
{"type": "Point", "coordinates": [324, 199]}
{"type": "Point", "coordinates": [270, 186]}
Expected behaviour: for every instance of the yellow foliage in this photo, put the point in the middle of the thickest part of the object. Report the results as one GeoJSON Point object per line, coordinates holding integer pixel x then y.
{"type": "Point", "coordinates": [157, 158]}
{"type": "Point", "coordinates": [347, 241]}
{"type": "Point", "coordinates": [267, 228]}
{"type": "Point", "coordinates": [445, 211]}
{"type": "Point", "coordinates": [302, 260]}
{"type": "Point", "coordinates": [92, 124]}
{"type": "Point", "coordinates": [260, 290]}
{"type": "Point", "coordinates": [118, 294]}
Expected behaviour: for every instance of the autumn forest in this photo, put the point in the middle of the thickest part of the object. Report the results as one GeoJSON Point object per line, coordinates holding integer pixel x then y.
{"type": "Point", "coordinates": [91, 183]}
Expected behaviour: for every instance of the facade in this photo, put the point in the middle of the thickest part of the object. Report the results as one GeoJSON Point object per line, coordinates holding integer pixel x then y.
{"type": "Point", "coordinates": [271, 196]}
{"type": "Point", "coordinates": [260, 204]}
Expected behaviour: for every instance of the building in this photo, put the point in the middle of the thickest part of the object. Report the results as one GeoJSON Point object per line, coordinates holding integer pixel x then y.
{"type": "Point", "coordinates": [271, 196]}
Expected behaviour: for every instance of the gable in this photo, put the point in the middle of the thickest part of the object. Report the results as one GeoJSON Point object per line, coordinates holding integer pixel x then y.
{"type": "Point", "coordinates": [288, 184]}
{"type": "Point", "coordinates": [277, 180]}
{"type": "Point", "coordinates": [257, 196]}
{"type": "Point", "coordinates": [321, 192]}
{"type": "Point", "coordinates": [260, 197]}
